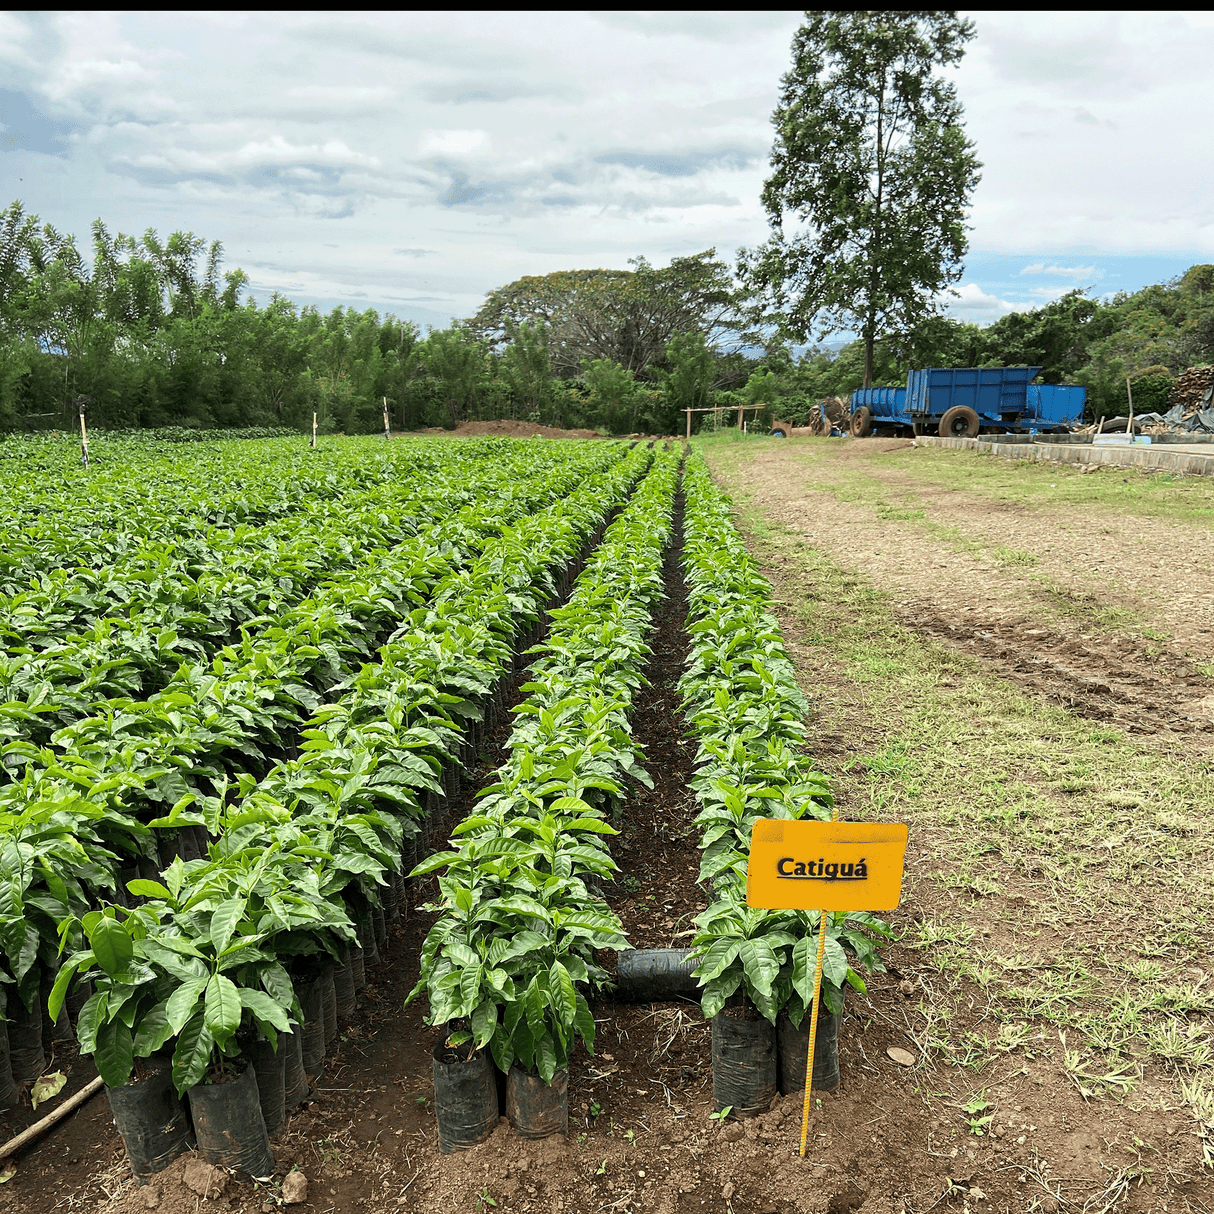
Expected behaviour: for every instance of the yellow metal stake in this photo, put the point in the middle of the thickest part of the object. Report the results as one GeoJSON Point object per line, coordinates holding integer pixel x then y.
{"type": "Point", "coordinates": [813, 1032]}
{"type": "Point", "coordinates": [813, 1019]}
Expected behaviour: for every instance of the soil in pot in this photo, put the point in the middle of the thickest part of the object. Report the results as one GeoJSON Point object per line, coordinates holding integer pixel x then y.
{"type": "Point", "coordinates": [25, 1052]}
{"type": "Point", "coordinates": [465, 1098]}
{"type": "Point", "coordinates": [743, 1064]}
{"type": "Point", "coordinates": [151, 1120]}
{"type": "Point", "coordinates": [229, 1127]}
{"type": "Point", "coordinates": [537, 1109]}
{"type": "Point", "coordinates": [793, 1044]}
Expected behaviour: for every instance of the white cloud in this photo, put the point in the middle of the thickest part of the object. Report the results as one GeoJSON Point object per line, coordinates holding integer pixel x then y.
{"type": "Point", "coordinates": [1068, 271]}
{"type": "Point", "coordinates": [453, 143]}
{"type": "Point", "coordinates": [970, 302]}
{"type": "Point", "coordinates": [511, 143]}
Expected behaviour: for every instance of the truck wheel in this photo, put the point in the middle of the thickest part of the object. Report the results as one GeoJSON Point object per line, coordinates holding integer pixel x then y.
{"type": "Point", "coordinates": [919, 428]}
{"type": "Point", "coordinates": [862, 422]}
{"type": "Point", "coordinates": [959, 422]}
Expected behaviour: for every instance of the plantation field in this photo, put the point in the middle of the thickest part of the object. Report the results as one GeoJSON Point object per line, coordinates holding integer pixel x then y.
{"type": "Point", "coordinates": [263, 683]}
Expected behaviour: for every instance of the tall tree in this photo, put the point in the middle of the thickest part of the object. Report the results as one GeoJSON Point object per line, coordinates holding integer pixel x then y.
{"type": "Point", "coordinates": [627, 316]}
{"type": "Point", "coordinates": [872, 172]}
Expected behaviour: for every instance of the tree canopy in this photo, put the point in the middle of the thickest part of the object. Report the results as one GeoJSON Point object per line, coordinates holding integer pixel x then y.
{"type": "Point", "coordinates": [628, 316]}
{"type": "Point", "coordinates": [871, 176]}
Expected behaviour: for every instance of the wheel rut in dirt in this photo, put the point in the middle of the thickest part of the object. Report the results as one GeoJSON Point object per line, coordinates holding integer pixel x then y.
{"type": "Point", "coordinates": [1095, 678]}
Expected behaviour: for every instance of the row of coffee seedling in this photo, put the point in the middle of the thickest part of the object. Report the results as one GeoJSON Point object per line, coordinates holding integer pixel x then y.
{"type": "Point", "coordinates": [509, 962]}
{"type": "Point", "coordinates": [296, 857]}
{"type": "Point", "coordinates": [740, 695]}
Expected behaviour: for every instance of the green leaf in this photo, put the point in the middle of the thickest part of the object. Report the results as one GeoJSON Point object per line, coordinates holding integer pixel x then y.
{"type": "Point", "coordinates": [221, 1009]}
{"type": "Point", "coordinates": [484, 1022]}
{"type": "Point", "coordinates": [834, 963]}
{"type": "Point", "coordinates": [153, 1030]}
{"type": "Point", "coordinates": [114, 1054]}
{"type": "Point", "coordinates": [111, 946]}
{"type": "Point", "coordinates": [583, 1022]}
{"type": "Point", "coordinates": [545, 1058]}
{"type": "Point", "coordinates": [717, 960]}
{"type": "Point", "coordinates": [62, 980]}
{"type": "Point", "coordinates": [90, 1016]}
{"type": "Point", "coordinates": [192, 1055]}
{"type": "Point", "coordinates": [224, 919]}
{"type": "Point", "coordinates": [564, 997]}
{"type": "Point", "coordinates": [149, 889]}
{"type": "Point", "coordinates": [183, 1002]}
{"type": "Point", "coordinates": [264, 1008]}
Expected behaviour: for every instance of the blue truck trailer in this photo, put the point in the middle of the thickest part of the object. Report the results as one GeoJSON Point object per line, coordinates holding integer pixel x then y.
{"type": "Point", "coordinates": [961, 402]}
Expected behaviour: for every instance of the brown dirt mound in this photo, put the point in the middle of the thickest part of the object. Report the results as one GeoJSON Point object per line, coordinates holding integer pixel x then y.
{"type": "Point", "coordinates": [512, 429]}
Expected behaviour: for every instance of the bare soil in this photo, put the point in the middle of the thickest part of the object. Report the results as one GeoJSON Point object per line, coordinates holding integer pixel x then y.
{"type": "Point", "coordinates": [642, 1136]}
{"type": "Point", "coordinates": [1038, 623]}
{"type": "Point", "coordinates": [516, 429]}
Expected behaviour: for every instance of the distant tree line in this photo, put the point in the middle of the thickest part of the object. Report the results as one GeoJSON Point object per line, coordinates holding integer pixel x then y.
{"type": "Point", "coordinates": [156, 333]}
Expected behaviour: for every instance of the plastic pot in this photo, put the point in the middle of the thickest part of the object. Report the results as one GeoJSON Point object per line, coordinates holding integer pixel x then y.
{"type": "Point", "coordinates": [645, 975]}
{"type": "Point", "coordinates": [25, 1052]}
{"type": "Point", "coordinates": [295, 1088]}
{"type": "Point", "coordinates": [311, 1005]}
{"type": "Point", "coordinates": [358, 970]}
{"type": "Point", "coordinates": [345, 1002]}
{"type": "Point", "coordinates": [793, 1044]}
{"type": "Point", "coordinates": [328, 998]}
{"type": "Point", "coordinates": [743, 1064]}
{"type": "Point", "coordinates": [8, 1085]}
{"type": "Point", "coordinates": [537, 1109]}
{"type": "Point", "coordinates": [366, 941]}
{"type": "Point", "coordinates": [465, 1099]}
{"type": "Point", "coordinates": [379, 922]}
{"type": "Point", "coordinates": [229, 1127]}
{"type": "Point", "coordinates": [151, 1120]}
{"type": "Point", "coordinates": [270, 1069]}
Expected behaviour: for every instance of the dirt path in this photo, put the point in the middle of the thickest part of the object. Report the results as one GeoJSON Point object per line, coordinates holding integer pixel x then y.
{"type": "Point", "coordinates": [1109, 615]}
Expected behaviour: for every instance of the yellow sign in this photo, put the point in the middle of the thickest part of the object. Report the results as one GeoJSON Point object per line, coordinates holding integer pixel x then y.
{"type": "Point", "coordinates": [836, 866]}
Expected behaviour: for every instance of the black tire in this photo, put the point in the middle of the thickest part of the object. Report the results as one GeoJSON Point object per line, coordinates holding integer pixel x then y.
{"type": "Point", "coordinates": [777, 433]}
{"type": "Point", "coordinates": [920, 427]}
{"type": "Point", "coordinates": [960, 422]}
{"type": "Point", "coordinates": [862, 422]}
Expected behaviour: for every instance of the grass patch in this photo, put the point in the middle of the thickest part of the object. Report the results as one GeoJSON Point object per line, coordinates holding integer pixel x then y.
{"type": "Point", "coordinates": [1065, 867]}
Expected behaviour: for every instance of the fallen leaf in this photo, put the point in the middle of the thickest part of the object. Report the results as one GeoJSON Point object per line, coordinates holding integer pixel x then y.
{"type": "Point", "coordinates": [900, 1056]}
{"type": "Point", "coordinates": [47, 1087]}
{"type": "Point", "coordinates": [7, 1171]}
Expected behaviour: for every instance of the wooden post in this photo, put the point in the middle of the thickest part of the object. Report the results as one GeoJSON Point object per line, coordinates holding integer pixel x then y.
{"type": "Point", "coordinates": [688, 412]}
{"type": "Point", "coordinates": [1129, 421]}
{"type": "Point", "coordinates": [313, 427]}
{"type": "Point", "coordinates": [84, 436]}
{"type": "Point", "coordinates": [739, 419]}
{"type": "Point", "coordinates": [386, 434]}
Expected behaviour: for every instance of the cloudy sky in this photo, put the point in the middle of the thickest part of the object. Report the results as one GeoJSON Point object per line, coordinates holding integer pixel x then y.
{"type": "Point", "coordinates": [412, 162]}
